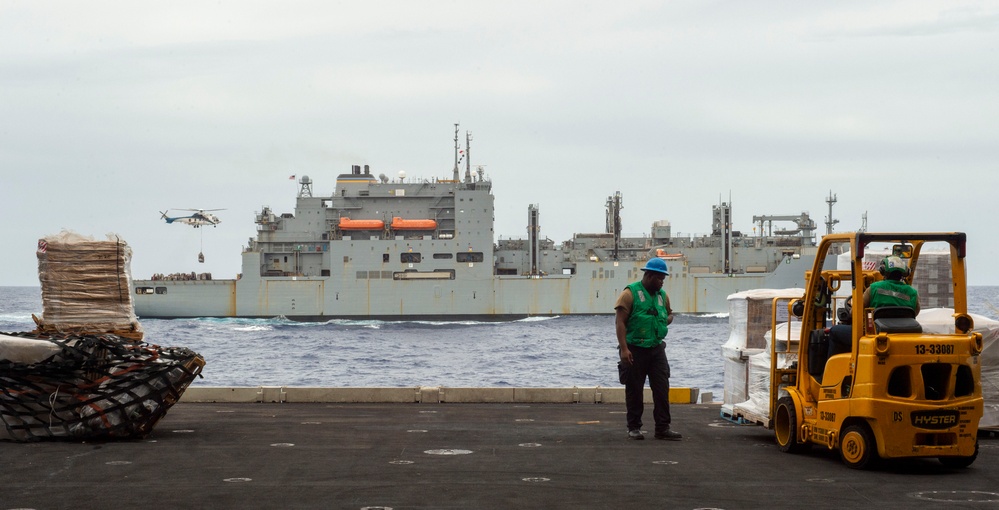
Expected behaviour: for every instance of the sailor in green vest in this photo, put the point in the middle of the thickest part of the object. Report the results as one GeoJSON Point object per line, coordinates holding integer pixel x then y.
{"type": "Point", "coordinates": [643, 315]}
{"type": "Point", "coordinates": [892, 291]}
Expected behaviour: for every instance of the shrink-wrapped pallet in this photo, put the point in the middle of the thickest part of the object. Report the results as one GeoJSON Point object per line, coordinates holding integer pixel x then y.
{"type": "Point", "coordinates": [86, 285]}
{"type": "Point", "coordinates": [749, 320]}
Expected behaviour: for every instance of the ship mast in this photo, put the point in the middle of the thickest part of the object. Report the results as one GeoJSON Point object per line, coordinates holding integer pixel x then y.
{"type": "Point", "coordinates": [534, 238]}
{"type": "Point", "coordinates": [468, 156]}
{"type": "Point", "coordinates": [722, 227]}
{"type": "Point", "coordinates": [455, 152]}
{"type": "Point", "coordinates": [613, 225]}
{"type": "Point", "coordinates": [829, 219]}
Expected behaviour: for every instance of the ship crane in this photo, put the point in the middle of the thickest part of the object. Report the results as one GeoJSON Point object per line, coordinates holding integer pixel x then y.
{"type": "Point", "coordinates": [806, 227]}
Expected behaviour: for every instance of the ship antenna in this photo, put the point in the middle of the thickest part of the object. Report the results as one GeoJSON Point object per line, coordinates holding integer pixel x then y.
{"type": "Point", "coordinates": [305, 186]}
{"type": "Point", "coordinates": [455, 152]}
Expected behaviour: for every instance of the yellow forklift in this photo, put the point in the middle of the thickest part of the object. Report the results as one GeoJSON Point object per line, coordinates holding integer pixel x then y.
{"type": "Point", "coordinates": [868, 382]}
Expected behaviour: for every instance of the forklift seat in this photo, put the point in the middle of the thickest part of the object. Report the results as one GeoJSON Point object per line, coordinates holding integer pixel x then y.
{"type": "Point", "coordinates": [896, 319]}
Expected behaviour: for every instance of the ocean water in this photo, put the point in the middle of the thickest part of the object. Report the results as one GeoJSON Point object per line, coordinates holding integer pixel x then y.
{"type": "Point", "coordinates": [538, 352]}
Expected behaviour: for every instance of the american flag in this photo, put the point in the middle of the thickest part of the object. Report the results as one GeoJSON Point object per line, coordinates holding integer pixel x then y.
{"type": "Point", "coordinates": [291, 177]}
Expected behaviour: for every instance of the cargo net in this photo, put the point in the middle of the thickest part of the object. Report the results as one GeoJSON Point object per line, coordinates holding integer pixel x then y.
{"type": "Point", "coordinates": [95, 387]}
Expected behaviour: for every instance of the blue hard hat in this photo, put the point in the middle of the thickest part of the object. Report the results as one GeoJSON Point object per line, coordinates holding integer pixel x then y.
{"type": "Point", "coordinates": [657, 264]}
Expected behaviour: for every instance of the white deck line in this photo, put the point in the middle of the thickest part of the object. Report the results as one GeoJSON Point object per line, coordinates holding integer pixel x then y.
{"type": "Point", "coordinates": [425, 394]}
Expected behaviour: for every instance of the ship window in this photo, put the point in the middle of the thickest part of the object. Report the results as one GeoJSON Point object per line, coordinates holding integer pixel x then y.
{"type": "Point", "coordinates": [443, 256]}
{"type": "Point", "coordinates": [470, 256]}
{"type": "Point", "coordinates": [409, 257]}
{"type": "Point", "coordinates": [161, 290]}
{"type": "Point", "coordinates": [385, 257]}
{"type": "Point", "coordinates": [362, 275]}
{"type": "Point", "coordinates": [143, 290]}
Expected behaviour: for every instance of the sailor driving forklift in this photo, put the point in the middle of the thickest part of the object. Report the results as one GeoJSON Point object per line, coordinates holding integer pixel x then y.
{"type": "Point", "coordinates": [892, 291]}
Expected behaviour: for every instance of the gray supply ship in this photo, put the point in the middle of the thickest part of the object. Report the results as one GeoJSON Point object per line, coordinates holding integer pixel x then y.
{"type": "Point", "coordinates": [424, 250]}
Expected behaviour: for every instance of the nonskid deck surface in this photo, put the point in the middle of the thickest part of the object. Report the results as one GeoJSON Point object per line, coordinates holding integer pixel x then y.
{"type": "Point", "coordinates": [465, 456]}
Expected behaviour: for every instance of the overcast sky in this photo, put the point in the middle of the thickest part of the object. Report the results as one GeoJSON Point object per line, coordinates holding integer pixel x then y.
{"type": "Point", "coordinates": [113, 111]}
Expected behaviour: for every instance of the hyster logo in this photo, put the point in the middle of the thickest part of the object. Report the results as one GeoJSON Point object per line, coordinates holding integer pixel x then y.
{"type": "Point", "coordinates": [934, 419]}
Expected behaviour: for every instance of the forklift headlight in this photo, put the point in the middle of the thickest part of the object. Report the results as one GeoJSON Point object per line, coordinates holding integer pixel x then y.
{"type": "Point", "coordinates": [963, 323]}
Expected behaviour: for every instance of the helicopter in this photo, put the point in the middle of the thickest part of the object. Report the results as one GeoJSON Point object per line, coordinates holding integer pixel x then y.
{"type": "Point", "coordinates": [197, 218]}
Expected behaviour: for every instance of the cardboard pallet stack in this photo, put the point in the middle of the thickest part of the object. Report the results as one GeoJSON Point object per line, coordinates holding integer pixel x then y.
{"type": "Point", "coordinates": [86, 286]}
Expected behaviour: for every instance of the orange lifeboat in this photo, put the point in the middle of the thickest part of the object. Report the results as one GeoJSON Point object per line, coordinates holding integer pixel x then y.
{"type": "Point", "coordinates": [349, 224]}
{"type": "Point", "coordinates": [669, 256]}
{"type": "Point", "coordinates": [401, 224]}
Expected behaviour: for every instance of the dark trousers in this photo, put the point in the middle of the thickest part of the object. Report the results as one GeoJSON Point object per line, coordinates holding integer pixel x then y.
{"type": "Point", "coordinates": [649, 363]}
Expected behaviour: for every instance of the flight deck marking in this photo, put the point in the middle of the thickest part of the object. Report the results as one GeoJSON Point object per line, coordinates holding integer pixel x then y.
{"type": "Point", "coordinates": [958, 496]}
{"type": "Point", "coordinates": [237, 479]}
{"type": "Point", "coordinates": [725, 424]}
{"type": "Point", "coordinates": [283, 444]}
{"type": "Point", "coordinates": [530, 445]}
{"type": "Point", "coordinates": [447, 451]}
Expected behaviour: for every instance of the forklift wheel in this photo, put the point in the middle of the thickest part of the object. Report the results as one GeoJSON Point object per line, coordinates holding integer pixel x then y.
{"type": "Point", "coordinates": [857, 447]}
{"type": "Point", "coordinates": [786, 426]}
{"type": "Point", "coordinates": [960, 462]}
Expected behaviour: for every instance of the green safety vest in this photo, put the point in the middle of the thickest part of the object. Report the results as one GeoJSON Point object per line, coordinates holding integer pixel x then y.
{"type": "Point", "coordinates": [648, 323]}
{"type": "Point", "coordinates": [892, 293]}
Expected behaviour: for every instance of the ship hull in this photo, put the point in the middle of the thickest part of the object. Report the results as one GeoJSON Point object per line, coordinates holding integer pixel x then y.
{"type": "Point", "coordinates": [494, 298]}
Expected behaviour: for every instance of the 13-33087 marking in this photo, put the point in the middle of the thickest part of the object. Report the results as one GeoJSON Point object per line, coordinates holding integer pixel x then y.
{"type": "Point", "coordinates": [934, 349]}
